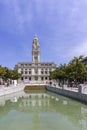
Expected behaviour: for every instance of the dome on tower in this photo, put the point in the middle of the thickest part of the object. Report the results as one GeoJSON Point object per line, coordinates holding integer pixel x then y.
{"type": "Point", "coordinates": [36, 41]}
{"type": "Point", "coordinates": [35, 37]}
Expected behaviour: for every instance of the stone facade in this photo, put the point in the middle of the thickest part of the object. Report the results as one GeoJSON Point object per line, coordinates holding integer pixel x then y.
{"type": "Point", "coordinates": [35, 70]}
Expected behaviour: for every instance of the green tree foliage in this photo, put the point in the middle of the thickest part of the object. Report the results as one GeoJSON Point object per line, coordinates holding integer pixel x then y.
{"type": "Point", "coordinates": [75, 70]}
{"type": "Point", "coordinates": [3, 72]}
{"type": "Point", "coordinates": [59, 73]}
{"type": "Point", "coordinates": [78, 70]}
{"type": "Point", "coordinates": [6, 73]}
{"type": "Point", "coordinates": [15, 75]}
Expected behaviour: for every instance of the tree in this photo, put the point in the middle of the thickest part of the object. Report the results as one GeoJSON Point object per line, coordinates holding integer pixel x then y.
{"type": "Point", "coordinates": [75, 71]}
{"type": "Point", "coordinates": [59, 74]}
{"type": "Point", "coordinates": [15, 75]}
{"type": "Point", "coordinates": [6, 74]}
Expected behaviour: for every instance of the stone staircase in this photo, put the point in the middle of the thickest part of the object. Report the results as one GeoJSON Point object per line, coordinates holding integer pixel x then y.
{"type": "Point", "coordinates": [34, 87]}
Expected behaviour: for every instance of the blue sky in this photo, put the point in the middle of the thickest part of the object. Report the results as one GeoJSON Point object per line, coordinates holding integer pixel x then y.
{"type": "Point", "coordinates": [61, 26]}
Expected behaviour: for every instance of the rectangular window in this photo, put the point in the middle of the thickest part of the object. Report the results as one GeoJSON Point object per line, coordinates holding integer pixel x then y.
{"type": "Point", "coordinates": [25, 65]}
{"type": "Point", "coordinates": [41, 72]}
{"type": "Point", "coordinates": [22, 65]}
{"type": "Point", "coordinates": [42, 78]}
{"type": "Point", "coordinates": [45, 78]}
{"type": "Point", "coordinates": [22, 78]}
{"type": "Point", "coordinates": [29, 72]}
{"type": "Point", "coordinates": [29, 78]}
{"type": "Point", "coordinates": [36, 78]}
{"type": "Point", "coordinates": [21, 72]}
{"type": "Point", "coordinates": [45, 72]}
{"type": "Point", "coordinates": [25, 72]}
{"type": "Point", "coordinates": [36, 71]}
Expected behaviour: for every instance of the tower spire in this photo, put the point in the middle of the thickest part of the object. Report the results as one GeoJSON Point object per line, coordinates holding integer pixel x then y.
{"type": "Point", "coordinates": [35, 50]}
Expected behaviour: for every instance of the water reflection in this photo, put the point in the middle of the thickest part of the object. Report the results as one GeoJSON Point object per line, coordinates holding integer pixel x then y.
{"type": "Point", "coordinates": [45, 106]}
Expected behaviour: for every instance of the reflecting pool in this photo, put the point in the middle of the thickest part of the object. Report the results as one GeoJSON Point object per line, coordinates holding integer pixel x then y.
{"type": "Point", "coordinates": [41, 111]}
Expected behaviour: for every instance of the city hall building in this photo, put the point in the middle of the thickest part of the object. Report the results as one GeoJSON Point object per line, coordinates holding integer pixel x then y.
{"type": "Point", "coordinates": [35, 70]}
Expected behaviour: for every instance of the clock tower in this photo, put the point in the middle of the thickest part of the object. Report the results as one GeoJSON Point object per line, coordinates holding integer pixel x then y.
{"type": "Point", "coordinates": [35, 50]}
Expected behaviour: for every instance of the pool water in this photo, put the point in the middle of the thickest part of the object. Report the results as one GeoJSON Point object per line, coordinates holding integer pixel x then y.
{"type": "Point", "coordinates": [41, 111]}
